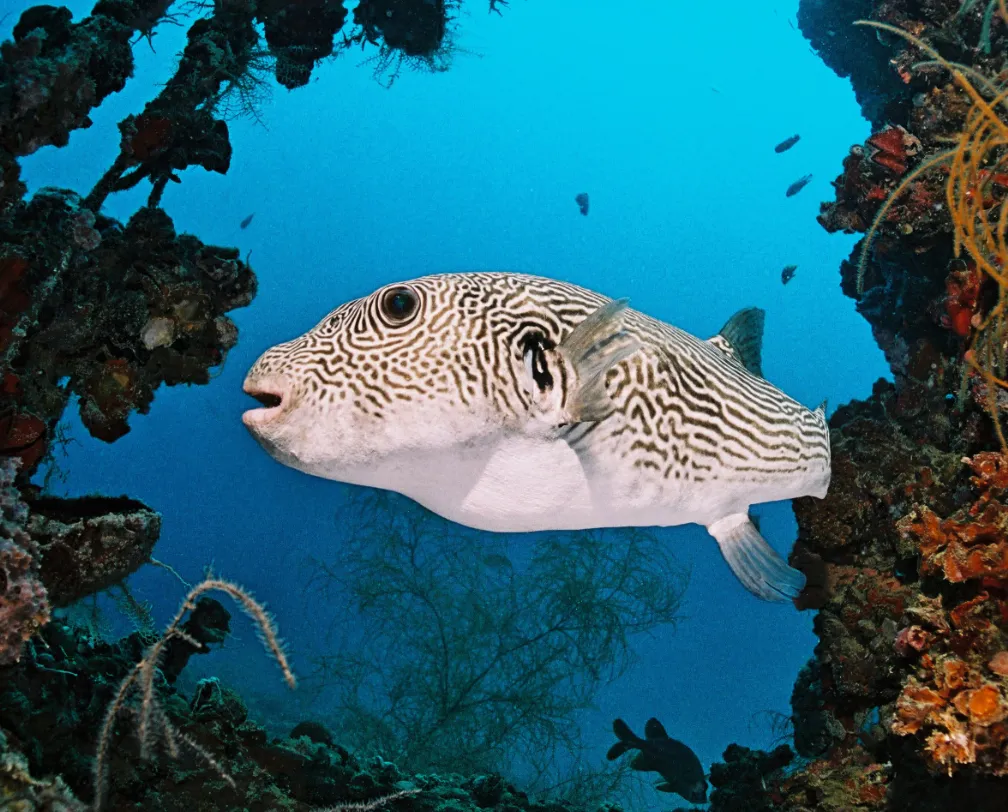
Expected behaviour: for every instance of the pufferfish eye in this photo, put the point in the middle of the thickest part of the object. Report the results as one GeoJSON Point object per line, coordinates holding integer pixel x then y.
{"type": "Point", "coordinates": [399, 305]}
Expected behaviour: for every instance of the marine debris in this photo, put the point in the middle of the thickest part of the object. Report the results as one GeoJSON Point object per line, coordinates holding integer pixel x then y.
{"type": "Point", "coordinates": [903, 706]}
{"type": "Point", "coordinates": [582, 202]}
{"type": "Point", "coordinates": [788, 273]}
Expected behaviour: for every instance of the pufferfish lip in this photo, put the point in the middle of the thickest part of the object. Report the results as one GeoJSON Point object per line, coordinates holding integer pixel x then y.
{"type": "Point", "coordinates": [273, 397]}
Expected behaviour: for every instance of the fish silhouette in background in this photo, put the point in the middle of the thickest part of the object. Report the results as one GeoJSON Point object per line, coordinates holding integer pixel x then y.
{"type": "Point", "coordinates": [797, 186]}
{"type": "Point", "coordinates": [788, 273]}
{"type": "Point", "coordinates": [245, 223]}
{"type": "Point", "coordinates": [582, 201]}
{"type": "Point", "coordinates": [515, 403]}
{"type": "Point", "coordinates": [787, 143]}
{"type": "Point", "coordinates": [678, 766]}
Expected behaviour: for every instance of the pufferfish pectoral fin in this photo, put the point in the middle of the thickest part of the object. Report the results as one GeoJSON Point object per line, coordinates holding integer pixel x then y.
{"type": "Point", "coordinates": [755, 563]}
{"type": "Point", "coordinates": [592, 348]}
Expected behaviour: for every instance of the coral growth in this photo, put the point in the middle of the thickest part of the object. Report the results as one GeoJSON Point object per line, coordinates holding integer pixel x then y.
{"type": "Point", "coordinates": [55, 72]}
{"type": "Point", "coordinates": [151, 721]}
{"type": "Point", "coordinates": [111, 322]}
{"type": "Point", "coordinates": [24, 605]}
{"type": "Point", "coordinates": [52, 704]}
{"type": "Point", "coordinates": [742, 778]}
{"type": "Point", "coordinates": [416, 27]}
{"type": "Point", "coordinates": [954, 698]}
{"type": "Point", "coordinates": [905, 704]}
{"type": "Point", "coordinates": [107, 312]}
{"type": "Point", "coordinates": [89, 544]}
{"type": "Point", "coordinates": [19, 790]}
{"type": "Point", "coordinates": [299, 35]}
{"type": "Point", "coordinates": [56, 551]}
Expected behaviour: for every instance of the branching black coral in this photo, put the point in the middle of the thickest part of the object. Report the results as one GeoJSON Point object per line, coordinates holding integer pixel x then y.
{"type": "Point", "coordinates": [149, 718]}
{"type": "Point", "coordinates": [497, 658]}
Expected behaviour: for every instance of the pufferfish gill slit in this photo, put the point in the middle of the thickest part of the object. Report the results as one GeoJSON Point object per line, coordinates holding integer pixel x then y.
{"type": "Point", "coordinates": [511, 403]}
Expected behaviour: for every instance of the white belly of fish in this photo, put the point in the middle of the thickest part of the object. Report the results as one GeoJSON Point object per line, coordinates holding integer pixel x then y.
{"type": "Point", "coordinates": [527, 484]}
{"type": "Point", "coordinates": [523, 483]}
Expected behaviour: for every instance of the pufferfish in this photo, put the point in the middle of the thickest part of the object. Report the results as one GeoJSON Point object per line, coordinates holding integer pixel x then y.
{"type": "Point", "coordinates": [514, 403]}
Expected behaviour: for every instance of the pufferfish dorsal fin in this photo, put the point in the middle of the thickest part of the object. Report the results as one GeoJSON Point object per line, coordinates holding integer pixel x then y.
{"type": "Point", "coordinates": [591, 349]}
{"type": "Point", "coordinates": [741, 339]}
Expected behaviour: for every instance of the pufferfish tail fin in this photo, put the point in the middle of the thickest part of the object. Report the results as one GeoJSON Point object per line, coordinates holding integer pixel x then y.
{"type": "Point", "coordinates": [592, 348]}
{"type": "Point", "coordinates": [741, 339]}
{"type": "Point", "coordinates": [755, 563]}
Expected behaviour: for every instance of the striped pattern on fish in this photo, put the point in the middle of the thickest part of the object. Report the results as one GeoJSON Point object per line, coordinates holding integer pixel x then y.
{"type": "Point", "coordinates": [510, 403]}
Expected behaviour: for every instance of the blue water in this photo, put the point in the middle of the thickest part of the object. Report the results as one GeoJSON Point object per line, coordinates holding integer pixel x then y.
{"type": "Point", "coordinates": [667, 117]}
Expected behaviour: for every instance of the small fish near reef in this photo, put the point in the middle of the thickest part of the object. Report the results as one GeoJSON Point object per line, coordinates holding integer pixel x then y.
{"type": "Point", "coordinates": [582, 202]}
{"type": "Point", "coordinates": [788, 273]}
{"type": "Point", "coordinates": [245, 223]}
{"type": "Point", "coordinates": [515, 403]}
{"type": "Point", "coordinates": [676, 763]}
{"type": "Point", "coordinates": [797, 186]}
{"type": "Point", "coordinates": [787, 143]}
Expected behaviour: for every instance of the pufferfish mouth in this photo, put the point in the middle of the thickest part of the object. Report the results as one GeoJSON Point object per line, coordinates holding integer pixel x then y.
{"type": "Point", "coordinates": [273, 397]}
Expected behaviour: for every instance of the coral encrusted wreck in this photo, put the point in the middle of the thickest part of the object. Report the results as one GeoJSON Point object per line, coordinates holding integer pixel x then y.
{"type": "Point", "coordinates": [100, 313]}
{"type": "Point", "coordinates": [904, 705]}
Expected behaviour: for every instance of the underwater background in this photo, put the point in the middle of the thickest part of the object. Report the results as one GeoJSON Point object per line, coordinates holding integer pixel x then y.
{"type": "Point", "coordinates": [666, 116]}
{"type": "Point", "coordinates": [354, 186]}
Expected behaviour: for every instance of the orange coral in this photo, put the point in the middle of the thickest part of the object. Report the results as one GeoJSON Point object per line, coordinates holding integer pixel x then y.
{"type": "Point", "coordinates": [951, 748]}
{"type": "Point", "coordinates": [914, 707]}
{"type": "Point", "coordinates": [983, 706]}
{"type": "Point", "coordinates": [973, 547]}
{"type": "Point", "coordinates": [999, 664]}
{"type": "Point", "coordinates": [954, 675]}
{"type": "Point", "coordinates": [990, 474]}
{"type": "Point", "coordinates": [951, 699]}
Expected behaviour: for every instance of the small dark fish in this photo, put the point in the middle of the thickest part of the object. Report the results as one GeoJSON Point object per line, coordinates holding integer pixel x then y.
{"type": "Point", "coordinates": [671, 759]}
{"type": "Point", "coordinates": [787, 143]}
{"type": "Point", "coordinates": [582, 201]}
{"type": "Point", "coordinates": [245, 223]}
{"type": "Point", "coordinates": [788, 273]}
{"type": "Point", "coordinates": [797, 186]}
